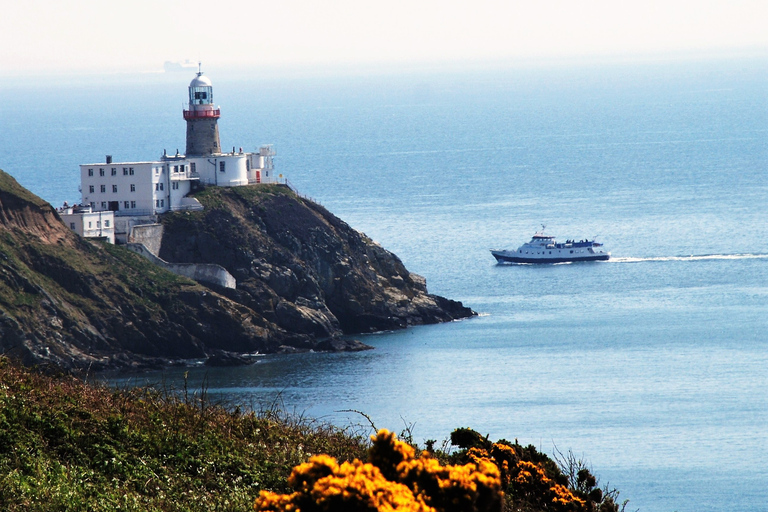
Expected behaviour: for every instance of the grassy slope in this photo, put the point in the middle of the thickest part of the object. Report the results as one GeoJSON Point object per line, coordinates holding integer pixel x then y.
{"type": "Point", "coordinates": [65, 445]}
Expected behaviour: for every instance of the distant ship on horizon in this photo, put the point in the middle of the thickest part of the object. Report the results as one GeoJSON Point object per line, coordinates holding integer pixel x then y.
{"type": "Point", "coordinates": [174, 66]}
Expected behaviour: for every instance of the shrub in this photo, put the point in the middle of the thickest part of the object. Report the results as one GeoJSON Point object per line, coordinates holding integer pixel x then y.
{"type": "Point", "coordinates": [392, 479]}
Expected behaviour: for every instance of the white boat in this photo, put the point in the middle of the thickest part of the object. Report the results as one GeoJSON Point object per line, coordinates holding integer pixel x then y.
{"type": "Point", "coordinates": [545, 249]}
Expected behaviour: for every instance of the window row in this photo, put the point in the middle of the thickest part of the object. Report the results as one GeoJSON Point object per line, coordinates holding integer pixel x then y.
{"type": "Point", "coordinates": [103, 188]}
{"type": "Point", "coordinates": [90, 224]}
{"type": "Point", "coordinates": [127, 171]}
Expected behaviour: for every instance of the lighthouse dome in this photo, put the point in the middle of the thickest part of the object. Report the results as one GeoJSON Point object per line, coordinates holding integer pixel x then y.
{"type": "Point", "coordinates": [200, 81]}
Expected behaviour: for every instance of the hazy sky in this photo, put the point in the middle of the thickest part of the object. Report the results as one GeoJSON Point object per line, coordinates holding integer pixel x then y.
{"type": "Point", "coordinates": [139, 35]}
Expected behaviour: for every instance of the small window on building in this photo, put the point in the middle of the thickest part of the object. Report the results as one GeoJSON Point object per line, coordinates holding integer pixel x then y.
{"type": "Point", "coordinates": [90, 224]}
{"type": "Point", "coordinates": [125, 171]}
{"type": "Point", "coordinates": [162, 203]}
{"type": "Point", "coordinates": [114, 188]}
{"type": "Point", "coordinates": [175, 185]}
{"type": "Point", "coordinates": [181, 168]}
{"type": "Point", "coordinates": [103, 205]}
{"type": "Point", "coordinates": [157, 170]}
{"type": "Point", "coordinates": [130, 171]}
{"type": "Point", "coordinates": [114, 171]}
{"type": "Point", "coordinates": [192, 166]}
{"type": "Point", "coordinates": [133, 204]}
{"type": "Point", "coordinates": [101, 172]}
{"type": "Point", "coordinates": [175, 168]}
{"type": "Point", "coordinates": [133, 187]}
{"type": "Point", "coordinates": [103, 188]}
{"type": "Point", "coordinates": [98, 223]}
{"type": "Point", "coordinates": [72, 225]}
{"type": "Point", "coordinates": [90, 189]}
{"type": "Point", "coordinates": [157, 203]}
{"type": "Point", "coordinates": [125, 205]}
{"type": "Point", "coordinates": [90, 172]}
{"type": "Point", "coordinates": [106, 223]}
{"type": "Point", "coordinates": [221, 166]}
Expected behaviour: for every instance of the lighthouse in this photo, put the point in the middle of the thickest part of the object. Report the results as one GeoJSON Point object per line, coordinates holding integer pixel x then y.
{"type": "Point", "coordinates": [202, 118]}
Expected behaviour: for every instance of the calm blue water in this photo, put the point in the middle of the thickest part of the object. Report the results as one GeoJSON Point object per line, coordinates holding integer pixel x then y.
{"type": "Point", "coordinates": [653, 366]}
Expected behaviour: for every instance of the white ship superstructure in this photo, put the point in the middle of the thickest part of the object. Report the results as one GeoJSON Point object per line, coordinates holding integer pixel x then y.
{"type": "Point", "coordinates": [545, 249]}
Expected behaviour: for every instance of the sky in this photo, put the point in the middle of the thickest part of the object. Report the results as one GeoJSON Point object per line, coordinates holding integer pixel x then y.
{"type": "Point", "coordinates": [72, 36]}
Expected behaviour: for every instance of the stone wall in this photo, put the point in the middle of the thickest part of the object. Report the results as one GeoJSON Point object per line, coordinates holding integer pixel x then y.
{"type": "Point", "coordinates": [149, 235]}
{"type": "Point", "coordinates": [206, 273]}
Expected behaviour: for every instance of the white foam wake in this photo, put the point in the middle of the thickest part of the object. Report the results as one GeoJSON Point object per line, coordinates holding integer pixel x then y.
{"type": "Point", "coordinates": [693, 257]}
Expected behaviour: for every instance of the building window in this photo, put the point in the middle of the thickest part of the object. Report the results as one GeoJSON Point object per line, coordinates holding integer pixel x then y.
{"type": "Point", "coordinates": [175, 168]}
{"type": "Point", "coordinates": [181, 168]}
{"type": "Point", "coordinates": [175, 185]}
{"type": "Point", "coordinates": [133, 204]}
{"type": "Point", "coordinates": [125, 171]}
{"type": "Point", "coordinates": [103, 205]}
{"type": "Point", "coordinates": [101, 172]}
{"type": "Point", "coordinates": [130, 171]}
{"type": "Point", "coordinates": [157, 170]}
{"type": "Point", "coordinates": [98, 223]}
{"type": "Point", "coordinates": [103, 188]}
{"type": "Point", "coordinates": [72, 225]}
{"type": "Point", "coordinates": [89, 224]}
{"type": "Point", "coordinates": [114, 188]}
{"type": "Point", "coordinates": [90, 172]}
{"type": "Point", "coordinates": [192, 166]}
{"type": "Point", "coordinates": [114, 171]}
{"type": "Point", "coordinates": [133, 187]}
{"type": "Point", "coordinates": [106, 223]}
{"type": "Point", "coordinates": [221, 166]}
{"type": "Point", "coordinates": [90, 189]}
{"type": "Point", "coordinates": [125, 204]}
{"type": "Point", "coordinates": [162, 203]}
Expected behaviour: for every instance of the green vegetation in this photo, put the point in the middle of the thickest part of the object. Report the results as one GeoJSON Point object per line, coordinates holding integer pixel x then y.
{"type": "Point", "coordinates": [212, 197]}
{"type": "Point", "coordinates": [66, 445]}
{"type": "Point", "coordinates": [8, 185]}
{"type": "Point", "coordinates": [71, 446]}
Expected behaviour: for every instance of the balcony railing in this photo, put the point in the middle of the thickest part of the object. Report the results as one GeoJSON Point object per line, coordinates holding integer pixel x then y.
{"type": "Point", "coordinates": [202, 114]}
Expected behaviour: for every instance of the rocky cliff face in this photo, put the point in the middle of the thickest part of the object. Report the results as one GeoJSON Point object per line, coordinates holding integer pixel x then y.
{"type": "Point", "coordinates": [301, 267]}
{"type": "Point", "coordinates": [303, 276]}
{"type": "Point", "coordinates": [73, 304]}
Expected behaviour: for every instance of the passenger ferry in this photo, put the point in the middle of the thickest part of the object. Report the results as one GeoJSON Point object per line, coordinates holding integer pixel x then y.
{"type": "Point", "coordinates": [544, 249]}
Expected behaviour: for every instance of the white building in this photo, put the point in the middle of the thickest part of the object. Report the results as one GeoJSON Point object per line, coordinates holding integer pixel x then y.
{"type": "Point", "coordinates": [89, 224]}
{"type": "Point", "coordinates": [136, 191]}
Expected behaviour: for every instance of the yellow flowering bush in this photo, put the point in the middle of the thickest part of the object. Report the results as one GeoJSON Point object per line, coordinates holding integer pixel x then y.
{"type": "Point", "coordinates": [531, 480]}
{"type": "Point", "coordinates": [394, 479]}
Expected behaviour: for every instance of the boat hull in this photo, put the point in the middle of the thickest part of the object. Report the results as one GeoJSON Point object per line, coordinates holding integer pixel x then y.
{"type": "Point", "coordinates": [507, 257]}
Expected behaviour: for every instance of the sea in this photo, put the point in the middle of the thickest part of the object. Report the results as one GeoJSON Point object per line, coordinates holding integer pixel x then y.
{"type": "Point", "coordinates": [651, 367]}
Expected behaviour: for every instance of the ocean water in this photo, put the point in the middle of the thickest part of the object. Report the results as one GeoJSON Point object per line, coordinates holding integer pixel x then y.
{"type": "Point", "coordinates": [652, 366]}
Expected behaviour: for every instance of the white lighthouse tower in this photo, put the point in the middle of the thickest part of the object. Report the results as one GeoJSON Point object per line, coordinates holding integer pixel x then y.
{"type": "Point", "coordinates": [202, 119]}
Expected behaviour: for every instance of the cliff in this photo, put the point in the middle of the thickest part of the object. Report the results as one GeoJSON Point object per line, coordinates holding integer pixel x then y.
{"type": "Point", "coordinates": [301, 267]}
{"type": "Point", "coordinates": [71, 303]}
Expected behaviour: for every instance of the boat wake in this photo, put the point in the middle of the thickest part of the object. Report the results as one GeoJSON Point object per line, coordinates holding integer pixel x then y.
{"type": "Point", "coordinates": [692, 258]}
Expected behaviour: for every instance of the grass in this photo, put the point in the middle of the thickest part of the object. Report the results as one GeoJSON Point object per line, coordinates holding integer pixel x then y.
{"type": "Point", "coordinates": [67, 445]}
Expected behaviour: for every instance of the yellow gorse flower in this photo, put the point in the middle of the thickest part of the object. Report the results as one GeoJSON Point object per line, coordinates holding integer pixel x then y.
{"type": "Point", "coordinates": [393, 480]}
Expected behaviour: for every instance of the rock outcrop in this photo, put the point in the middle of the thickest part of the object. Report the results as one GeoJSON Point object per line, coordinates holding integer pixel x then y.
{"type": "Point", "coordinates": [300, 266]}
{"type": "Point", "coordinates": [303, 277]}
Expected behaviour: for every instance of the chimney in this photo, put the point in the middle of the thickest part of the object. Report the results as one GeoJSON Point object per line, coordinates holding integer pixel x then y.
{"type": "Point", "coordinates": [109, 159]}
